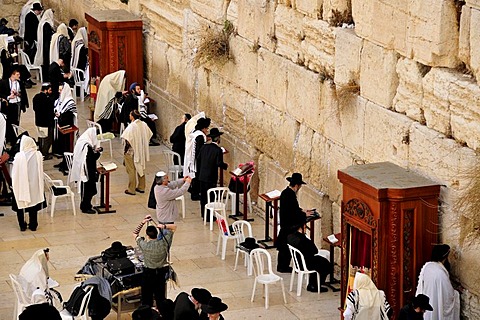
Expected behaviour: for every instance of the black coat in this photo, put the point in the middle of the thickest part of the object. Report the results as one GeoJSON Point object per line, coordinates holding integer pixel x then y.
{"type": "Point", "coordinates": [408, 313]}
{"type": "Point", "coordinates": [7, 62]}
{"type": "Point", "coordinates": [130, 104]}
{"type": "Point", "coordinates": [44, 113]}
{"type": "Point", "coordinates": [5, 92]}
{"type": "Point", "coordinates": [56, 78]}
{"type": "Point", "coordinates": [31, 26]}
{"type": "Point", "coordinates": [305, 245]}
{"type": "Point", "coordinates": [47, 39]}
{"type": "Point", "coordinates": [184, 308]}
{"type": "Point", "coordinates": [291, 215]}
{"type": "Point", "coordinates": [208, 162]}
{"type": "Point", "coordinates": [178, 140]}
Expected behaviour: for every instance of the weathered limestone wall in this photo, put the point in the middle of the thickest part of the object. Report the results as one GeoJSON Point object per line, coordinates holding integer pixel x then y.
{"type": "Point", "coordinates": [11, 11]}
{"type": "Point", "coordinates": [280, 101]}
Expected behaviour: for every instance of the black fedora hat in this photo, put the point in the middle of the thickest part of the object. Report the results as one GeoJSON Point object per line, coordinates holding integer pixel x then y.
{"type": "Point", "coordinates": [296, 178]}
{"type": "Point", "coordinates": [440, 252]}
{"type": "Point", "coordinates": [3, 21]}
{"type": "Point", "coordinates": [201, 295]}
{"type": "Point", "coordinates": [203, 123]}
{"type": "Point", "coordinates": [37, 6]}
{"type": "Point", "coordinates": [214, 132]}
{"type": "Point", "coordinates": [215, 305]}
{"type": "Point", "coordinates": [423, 302]}
{"type": "Point", "coordinates": [250, 243]}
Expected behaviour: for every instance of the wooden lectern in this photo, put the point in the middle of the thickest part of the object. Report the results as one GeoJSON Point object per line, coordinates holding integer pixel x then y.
{"type": "Point", "coordinates": [389, 226]}
{"type": "Point", "coordinates": [115, 42]}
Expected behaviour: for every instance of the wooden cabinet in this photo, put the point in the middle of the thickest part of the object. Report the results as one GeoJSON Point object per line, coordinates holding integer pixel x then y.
{"type": "Point", "coordinates": [389, 226]}
{"type": "Point", "coordinates": [115, 42]}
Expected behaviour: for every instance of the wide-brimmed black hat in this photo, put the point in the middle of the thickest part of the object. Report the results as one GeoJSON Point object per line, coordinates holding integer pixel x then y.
{"type": "Point", "coordinates": [214, 132]}
{"type": "Point", "coordinates": [296, 178]}
{"type": "Point", "coordinates": [3, 21]}
{"type": "Point", "coordinates": [203, 123]}
{"type": "Point", "coordinates": [440, 252]}
{"type": "Point", "coordinates": [145, 312]}
{"type": "Point", "coordinates": [118, 246]}
{"type": "Point", "coordinates": [215, 305]}
{"type": "Point", "coordinates": [37, 6]}
{"type": "Point", "coordinates": [201, 295]}
{"type": "Point", "coordinates": [250, 243]}
{"type": "Point", "coordinates": [423, 302]}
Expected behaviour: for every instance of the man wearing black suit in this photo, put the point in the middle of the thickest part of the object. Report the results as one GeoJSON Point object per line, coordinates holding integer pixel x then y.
{"type": "Point", "coordinates": [188, 305]}
{"type": "Point", "coordinates": [43, 106]}
{"type": "Point", "coordinates": [14, 97]}
{"type": "Point", "coordinates": [208, 162]}
{"type": "Point", "coordinates": [31, 26]}
{"type": "Point", "coordinates": [178, 139]}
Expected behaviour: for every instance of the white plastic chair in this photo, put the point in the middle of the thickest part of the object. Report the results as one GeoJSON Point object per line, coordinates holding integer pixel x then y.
{"type": "Point", "coordinates": [242, 229]}
{"type": "Point", "coordinates": [300, 267]}
{"type": "Point", "coordinates": [78, 75]}
{"type": "Point", "coordinates": [223, 234]}
{"type": "Point", "coordinates": [101, 135]}
{"type": "Point", "coordinates": [18, 130]}
{"type": "Point", "coordinates": [182, 200]}
{"type": "Point", "coordinates": [83, 314]}
{"type": "Point", "coordinates": [20, 294]}
{"type": "Point", "coordinates": [232, 195]}
{"type": "Point", "coordinates": [59, 184]}
{"type": "Point", "coordinates": [263, 273]}
{"type": "Point", "coordinates": [174, 169]}
{"type": "Point", "coordinates": [219, 204]}
{"type": "Point", "coordinates": [30, 66]}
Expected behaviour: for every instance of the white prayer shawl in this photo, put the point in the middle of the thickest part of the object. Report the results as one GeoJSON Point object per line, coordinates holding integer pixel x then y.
{"type": "Point", "coordinates": [46, 18]}
{"type": "Point", "coordinates": [189, 162]}
{"type": "Point", "coordinates": [66, 101]}
{"type": "Point", "coordinates": [23, 13]}
{"type": "Point", "coordinates": [434, 282]}
{"type": "Point", "coordinates": [79, 170]}
{"type": "Point", "coordinates": [27, 175]}
{"type": "Point", "coordinates": [3, 129]}
{"type": "Point", "coordinates": [80, 40]}
{"type": "Point", "coordinates": [138, 135]}
{"type": "Point", "coordinates": [365, 302]}
{"type": "Point", "coordinates": [110, 84]}
{"type": "Point", "coordinates": [35, 272]}
{"type": "Point", "coordinates": [62, 31]}
{"type": "Point", "coordinates": [3, 46]}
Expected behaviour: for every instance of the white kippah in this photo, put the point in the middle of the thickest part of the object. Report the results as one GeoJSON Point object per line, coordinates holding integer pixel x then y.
{"type": "Point", "coordinates": [160, 174]}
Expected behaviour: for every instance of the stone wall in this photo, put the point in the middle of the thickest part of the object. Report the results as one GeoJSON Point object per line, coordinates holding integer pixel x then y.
{"type": "Point", "coordinates": [280, 100]}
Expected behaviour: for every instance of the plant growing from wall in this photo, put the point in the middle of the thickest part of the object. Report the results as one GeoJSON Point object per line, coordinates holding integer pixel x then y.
{"type": "Point", "coordinates": [347, 92]}
{"type": "Point", "coordinates": [214, 45]}
{"type": "Point", "coordinates": [339, 18]}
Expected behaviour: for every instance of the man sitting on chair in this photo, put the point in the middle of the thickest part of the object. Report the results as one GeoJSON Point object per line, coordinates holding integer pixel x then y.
{"type": "Point", "coordinates": [307, 247]}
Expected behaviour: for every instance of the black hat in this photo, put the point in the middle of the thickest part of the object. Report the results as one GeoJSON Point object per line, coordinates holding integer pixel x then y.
{"type": "Point", "coordinates": [37, 6]}
{"type": "Point", "coordinates": [118, 246]}
{"type": "Point", "coordinates": [214, 132]}
{"type": "Point", "coordinates": [145, 312]}
{"type": "Point", "coordinates": [203, 123]}
{"type": "Point", "coordinates": [440, 252]}
{"type": "Point", "coordinates": [201, 295]}
{"type": "Point", "coordinates": [250, 243]}
{"type": "Point", "coordinates": [3, 21]}
{"type": "Point", "coordinates": [423, 302]}
{"type": "Point", "coordinates": [215, 305]}
{"type": "Point", "coordinates": [296, 178]}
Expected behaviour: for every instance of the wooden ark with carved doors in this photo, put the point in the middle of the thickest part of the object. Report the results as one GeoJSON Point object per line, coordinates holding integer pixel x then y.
{"type": "Point", "coordinates": [389, 226]}
{"type": "Point", "coordinates": [115, 42]}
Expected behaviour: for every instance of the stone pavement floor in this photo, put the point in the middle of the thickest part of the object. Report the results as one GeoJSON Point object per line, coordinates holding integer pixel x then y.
{"type": "Point", "coordinates": [73, 239]}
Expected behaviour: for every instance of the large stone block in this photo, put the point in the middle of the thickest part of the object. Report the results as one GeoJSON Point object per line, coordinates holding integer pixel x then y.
{"type": "Point", "coordinates": [181, 79]}
{"type": "Point", "coordinates": [318, 45]}
{"type": "Point", "coordinates": [473, 3]}
{"type": "Point", "coordinates": [165, 23]}
{"type": "Point", "coordinates": [303, 93]}
{"type": "Point", "coordinates": [212, 10]}
{"type": "Point", "coordinates": [408, 99]}
{"type": "Point", "coordinates": [210, 94]}
{"type": "Point", "coordinates": [386, 135]}
{"type": "Point", "coordinates": [272, 79]}
{"type": "Point", "coordinates": [157, 60]}
{"type": "Point", "coordinates": [311, 8]}
{"type": "Point", "coordinates": [426, 31]}
{"type": "Point", "coordinates": [464, 36]}
{"type": "Point", "coordinates": [435, 104]}
{"type": "Point", "coordinates": [378, 77]}
{"type": "Point", "coordinates": [271, 131]}
{"type": "Point", "coordinates": [302, 151]}
{"type": "Point", "coordinates": [348, 47]}
{"type": "Point", "coordinates": [234, 111]}
{"type": "Point", "coordinates": [256, 21]}
{"type": "Point", "coordinates": [289, 33]}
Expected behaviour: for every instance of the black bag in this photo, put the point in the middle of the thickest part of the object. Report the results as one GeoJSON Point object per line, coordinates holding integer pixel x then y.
{"type": "Point", "coordinates": [74, 303]}
{"type": "Point", "coordinates": [120, 266]}
{"type": "Point", "coordinates": [116, 251]}
{"type": "Point", "coordinates": [58, 191]}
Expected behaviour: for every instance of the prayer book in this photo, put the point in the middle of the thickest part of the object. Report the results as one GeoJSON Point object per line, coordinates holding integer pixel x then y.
{"type": "Point", "coordinates": [273, 194]}
{"type": "Point", "coordinates": [332, 238]}
{"type": "Point", "coordinates": [109, 166]}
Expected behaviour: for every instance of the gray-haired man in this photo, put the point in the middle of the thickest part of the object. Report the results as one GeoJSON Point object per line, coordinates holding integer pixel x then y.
{"type": "Point", "coordinates": [166, 192]}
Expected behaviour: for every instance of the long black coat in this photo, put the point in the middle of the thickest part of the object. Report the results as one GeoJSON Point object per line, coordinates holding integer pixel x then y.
{"type": "Point", "coordinates": [291, 215]}
{"type": "Point", "coordinates": [44, 113]}
{"type": "Point", "coordinates": [178, 140]}
{"type": "Point", "coordinates": [208, 162]}
{"type": "Point", "coordinates": [31, 26]}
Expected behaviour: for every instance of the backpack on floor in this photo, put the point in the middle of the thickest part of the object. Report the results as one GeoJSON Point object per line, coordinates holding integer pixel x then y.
{"type": "Point", "coordinates": [75, 301]}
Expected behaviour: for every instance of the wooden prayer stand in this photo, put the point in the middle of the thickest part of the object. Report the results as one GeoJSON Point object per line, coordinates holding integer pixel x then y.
{"type": "Point", "coordinates": [310, 225]}
{"type": "Point", "coordinates": [270, 204]}
{"type": "Point", "coordinates": [105, 192]}
{"type": "Point", "coordinates": [238, 214]}
{"type": "Point", "coordinates": [333, 245]}
{"type": "Point", "coordinates": [389, 225]}
{"type": "Point", "coordinates": [71, 131]}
